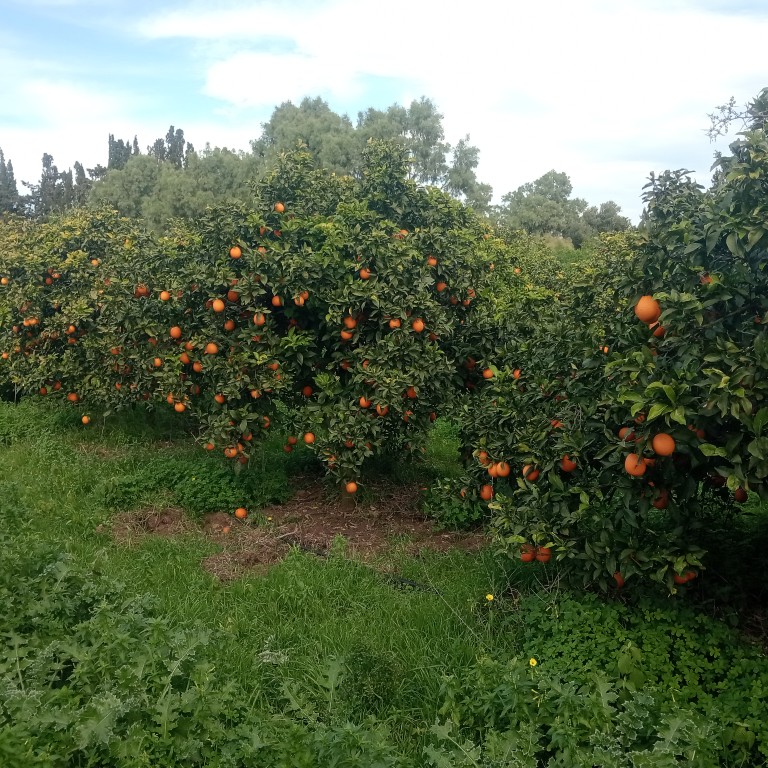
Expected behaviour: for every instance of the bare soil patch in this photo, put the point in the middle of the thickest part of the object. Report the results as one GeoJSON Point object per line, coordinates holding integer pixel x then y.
{"type": "Point", "coordinates": [310, 520]}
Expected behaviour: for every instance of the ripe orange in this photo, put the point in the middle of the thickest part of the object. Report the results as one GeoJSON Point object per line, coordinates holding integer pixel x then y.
{"type": "Point", "coordinates": [432, 261]}
{"type": "Point", "coordinates": [647, 309]}
{"type": "Point", "coordinates": [530, 473]}
{"type": "Point", "coordinates": [233, 296]}
{"type": "Point", "coordinates": [658, 330]}
{"type": "Point", "coordinates": [307, 391]}
{"type": "Point", "coordinates": [527, 553]}
{"type": "Point", "coordinates": [235, 252]}
{"type": "Point", "coordinates": [567, 464]}
{"type": "Point", "coordinates": [197, 366]}
{"type": "Point", "coordinates": [382, 410]}
{"type": "Point", "coordinates": [241, 513]}
{"type": "Point", "coordinates": [635, 465]}
{"type": "Point", "coordinates": [626, 433]}
{"type": "Point", "coordinates": [543, 554]}
{"type": "Point", "coordinates": [179, 407]}
{"type": "Point", "coordinates": [351, 487]}
{"type": "Point", "coordinates": [259, 319]}
{"type": "Point", "coordinates": [487, 373]}
{"type": "Point", "coordinates": [441, 286]}
{"type": "Point", "coordinates": [175, 332]}
{"type": "Point", "coordinates": [218, 305]}
{"type": "Point", "coordinates": [211, 348]}
{"type": "Point", "coordinates": [350, 323]}
{"type": "Point", "coordinates": [394, 323]}
{"type": "Point", "coordinates": [346, 335]}
{"type": "Point", "coordinates": [230, 452]}
{"type": "Point", "coordinates": [220, 399]}
{"type": "Point", "coordinates": [279, 207]}
{"type": "Point", "coordinates": [364, 402]}
{"type": "Point", "coordinates": [365, 273]}
{"type": "Point", "coordinates": [229, 325]}
{"type": "Point", "coordinates": [493, 470]}
{"type": "Point", "coordinates": [73, 397]}
{"type": "Point", "coordinates": [309, 438]}
{"type": "Point", "coordinates": [86, 420]}
{"type": "Point", "coordinates": [486, 492]}
{"type": "Point", "coordinates": [418, 325]}
{"type": "Point", "coordinates": [740, 495]}
{"type": "Point", "coordinates": [165, 296]}
{"type": "Point", "coordinates": [277, 301]}
{"type": "Point", "coordinates": [503, 469]}
{"type": "Point", "coordinates": [662, 500]}
{"type": "Point", "coordinates": [157, 362]}
{"type": "Point", "coordinates": [482, 457]}
{"type": "Point", "coordinates": [517, 373]}
{"type": "Point", "coordinates": [619, 579]}
{"type": "Point", "coordinates": [663, 444]}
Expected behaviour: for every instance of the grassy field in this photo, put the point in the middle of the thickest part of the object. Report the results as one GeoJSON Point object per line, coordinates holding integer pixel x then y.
{"type": "Point", "coordinates": [127, 651]}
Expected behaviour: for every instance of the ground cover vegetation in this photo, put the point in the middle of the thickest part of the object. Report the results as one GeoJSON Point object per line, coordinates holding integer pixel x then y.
{"type": "Point", "coordinates": [603, 417]}
{"type": "Point", "coordinates": [124, 651]}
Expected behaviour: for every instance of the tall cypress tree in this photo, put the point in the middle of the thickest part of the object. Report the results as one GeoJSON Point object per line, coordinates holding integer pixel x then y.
{"type": "Point", "coordinates": [9, 193]}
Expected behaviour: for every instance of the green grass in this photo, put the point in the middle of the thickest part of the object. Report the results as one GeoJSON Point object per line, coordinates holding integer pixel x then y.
{"type": "Point", "coordinates": [329, 641]}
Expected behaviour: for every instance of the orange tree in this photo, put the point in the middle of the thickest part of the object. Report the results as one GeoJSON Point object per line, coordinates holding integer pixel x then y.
{"type": "Point", "coordinates": [639, 417]}
{"type": "Point", "coordinates": [338, 298]}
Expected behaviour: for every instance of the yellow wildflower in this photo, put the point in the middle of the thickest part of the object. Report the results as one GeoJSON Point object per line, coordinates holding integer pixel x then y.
{"type": "Point", "coordinates": [533, 662]}
{"type": "Point", "coordinates": [489, 597]}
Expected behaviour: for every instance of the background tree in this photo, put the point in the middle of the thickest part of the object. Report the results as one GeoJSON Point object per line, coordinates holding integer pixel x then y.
{"type": "Point", "coordinates": [545, 207]}
{"type": "Point", "coordinates": [9, 193]}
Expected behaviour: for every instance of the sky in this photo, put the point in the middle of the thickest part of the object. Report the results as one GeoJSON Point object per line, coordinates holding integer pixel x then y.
{"type": "Point", "coordinates": [607, 91]}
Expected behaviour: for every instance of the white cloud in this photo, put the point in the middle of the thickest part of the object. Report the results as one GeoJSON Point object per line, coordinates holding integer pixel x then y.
{"type": "Point", "coordinates": [537, 85]}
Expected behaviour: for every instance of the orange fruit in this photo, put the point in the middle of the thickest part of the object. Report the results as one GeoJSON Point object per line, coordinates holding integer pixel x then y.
{"type": "Point", "coordinates": [527, 553]}
{"type": "Point", "coordinates": [567, 464]}
{"type": "Point", "coordinates": [235, 252]}
{"type": "Point", "coordinates": [351, 487]}
{"type": "Point", "coordinates": [418, 325]}
{"type": "Point", "coordinates": [86, 419]}
{"type": "Point", "coordinates": [530, 473]}
{"type": "Point", "coordinates": [165, 296]}
{"type": "Point", "coordinates": [382, 410]}
{"type": "Point", "coordinates": [179, 407]}
{"type": "Point", "coordinates": [259, 319]}
{"type": "Point", "coordinates": [662, 500]}
{"type": "Point", "coordinates": [350, 323]}
{"type": "Point", "coordinates": [658, 330]}
{"type": "Point", "coordinates": [663, 444]}
{"type": "Point", "coordinates": [277, 301]}
{"type": "Point", "coordinates": [309, 438]}
{"type": "Point", "coordinates": [516, 374]}
{"type": "Point", "coordinates": [211, 348]}
{"type": "Point", "coordinates": [626, 433]}
{"type": "Point", "coordinates": [73, 397]}
{"type": "Point", "coordinates": [503, 469]}
{"type": "Point", "coordinates": [197, 366]}
{"type": "Point", "coordinates": [635, 465]}
{"type": "Point", "coordinates": [175, 332]}
{"type": "Point", "coordinates": [346, 335]}
{"type": "Point", "coordinates": [543, 554]}
{"type": "Point", "coordinates": [229, 325]}
{"type": "Point", "coordinates": [619, 579]}
{"type": "Point", "coordinates": [233, 296]}
{"type": "Point", "coordinates": [241, 513]}
{"type": "Point", "coordinates": [441, 286]}
{"type": "Point", "coordinates": [394, 323]}
{"type": "Point", "coordinates": [647, 309]}
{"type": "Point", "coordinates": [487, 373]}
{"type": "Point", "coordinates": [486, 492]}
{"type": "Point", "coordinates": [365, 273]}
{"type": "Point", "coordinates": [307, 391]}
{"type": "Point", "coordinates": [218, 305]}
{"type": "Point", "coordinates": [432, 261]}
{"type": "Point", "coordinates": [412, 393]}
{"type": "Point", "coordinates": [279, 207]}
{"type": "Point", "coordinates": [364, 402]}
{"type": "Point", "coordinates": [220, 399]}
{"type": "Point", "coordinates": [740, 495]}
